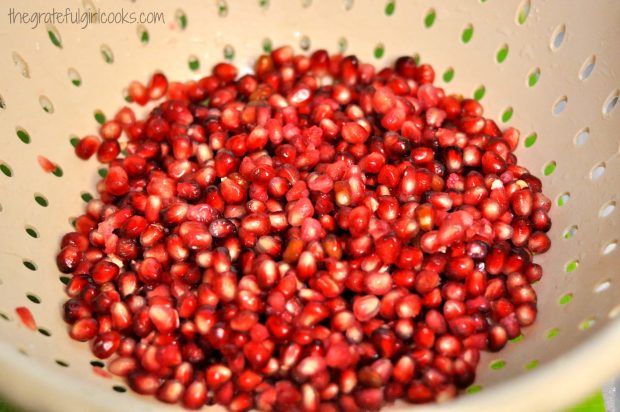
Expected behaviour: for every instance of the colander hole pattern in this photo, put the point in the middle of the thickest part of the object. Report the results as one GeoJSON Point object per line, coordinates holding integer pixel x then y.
{"type": "Point", "coordinates": [544, 71]}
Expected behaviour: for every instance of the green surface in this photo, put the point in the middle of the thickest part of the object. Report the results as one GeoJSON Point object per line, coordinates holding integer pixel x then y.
{"type": "Point", "coordinates": [5, 407]}
{"type": "Point", "coordinates": [592, 404]}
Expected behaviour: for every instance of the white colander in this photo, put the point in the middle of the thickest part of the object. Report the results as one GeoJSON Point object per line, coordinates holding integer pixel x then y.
{"type": "Point", "coordinates": [551, 68]}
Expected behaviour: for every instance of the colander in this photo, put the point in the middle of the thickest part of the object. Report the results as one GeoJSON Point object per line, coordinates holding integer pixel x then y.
{"type": "Point", "coordinates": [548, 67]}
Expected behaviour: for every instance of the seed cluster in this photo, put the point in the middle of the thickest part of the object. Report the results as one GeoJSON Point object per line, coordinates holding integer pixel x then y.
{"type": "Point", "coordinates": [317, 236]}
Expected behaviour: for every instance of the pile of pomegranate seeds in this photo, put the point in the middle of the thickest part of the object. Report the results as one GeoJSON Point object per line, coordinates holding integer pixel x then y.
{"type": "Point", "coordinates": [317, 236]}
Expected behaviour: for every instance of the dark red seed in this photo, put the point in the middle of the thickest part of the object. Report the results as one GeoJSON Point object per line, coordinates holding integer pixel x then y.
{"type": "Point", "coordinates": [319, 236]}
{"type": "Point", "coordinates": [87, 147]}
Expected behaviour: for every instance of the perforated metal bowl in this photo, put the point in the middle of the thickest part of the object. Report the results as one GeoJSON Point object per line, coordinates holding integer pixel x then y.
{"type": "Point", "coordinates": [550, 68]}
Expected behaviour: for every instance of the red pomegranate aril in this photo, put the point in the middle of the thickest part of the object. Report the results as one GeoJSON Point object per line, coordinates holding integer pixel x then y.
{"type": "Point", "coordinates": [408, 306]}
{"type": "Point", "coordinates": [240, 225]}
{"type": "Point", "coordinates": [171, 391]}
{"type": "Point", "coordinates": [419, 393]}
{"type": "Point", "coordinates": [195, 395]}
{"type": "Point", "coordinates": [157, 87]}
{"type": "Point", "coordinates": [68, 259]}
{"type": "Point", "coordinates": [366, 307]}
{"type": "Point", "coordinates": [497, 338]}
{"type": "Point", "coordinates": [111, 130]}
{"type": "Point", "coordinates": [84, 329]}
{"type": "Point", "coordinates": [106, 344]}
{"type": "Point", "coordinates": [539, 242]}
{"type": "Point", "coordinates": [104, 271]}
{"type": "Point", "coordinates": [216, 375]}
{"type": "Point", "coordinates": [533, 272]}
{"type": "Point", "coordinates": [526, 314]}
{"type": "Point", "coordinates": [123, 366]}
{"type": "Point", "coordinates": [522, 202]}
{"type": "Point", "coordinates": [108, 151]}
{"type": "Point", "coordinates": [87, 147]}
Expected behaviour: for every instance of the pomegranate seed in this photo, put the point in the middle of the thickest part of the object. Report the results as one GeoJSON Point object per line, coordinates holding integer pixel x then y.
{"type": "Point", "coordinates": [366, 307]}
{"type": "Point", "coordinates": [104, 271]}
{"type": "Point", "coordinates": [276, 241]}
{"type": "Point", "coordinates": [171, 391]}
{"type": "Point", "coordinates": [84, 329]}
{"type": "Point", "coordinates": [497, 338]}
{"type": "Point", "coordinates": [539, 242]}
{"type": "Point", "coordinates": [87, 147]}
{"type": "Point", "coordinates": [108, 151]}
{"type": "Point", "coordinates": [25, 316]}
{"type": "Point", "coordinates": [216, 375]}
{"type": "Point", "coordinates": [68, 259]}
{"type": "Point", "coordinates": [522, 202]}
{"type": "Point", "coordinates": [195, 395]}
{"type": "Point", "coordinates": [106, 344]}
{"type": "Point", "coordinates": [123, 366]}
{"type": "Point", "coordinates": [408, 306]}
{"type": "Point", "coordinates": [533, 272]}
{"type": "Point", "coordinates": [157, 87]}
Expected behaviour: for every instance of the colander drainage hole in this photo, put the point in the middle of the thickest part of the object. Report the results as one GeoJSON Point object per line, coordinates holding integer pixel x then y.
{"type": "Point", "coordinates": [587, 324]}
{"type": "Point", "coordinates": [6, 169]}
{"type": "Point", "coordinates": [193, 63]}
{"type": "Point", "coordinates": [74, 77]}
{"type": "Point", "coordinates": [607, 209]}
{"type": "Point", "coordinates": [582, 136]}
{"type": "Point", "coordinates": [74, 140]}
{"type": "Point", "coordinates": [62, 363]}
{"type": "Point", "coordinates": [563, 199]}
{"type": "Point", "coordinates": [570, 231]}
{"type": "Point", "coordinates": [46, 104]}
{"type": "Point", "coordinates": [610, 247]}
{"type": "Point", "coordinates": [106, 54]}
{"type": "Point", "coordinates": [523, 11]}
{"type": "Point", "coordinates": [33, 298]}
{"type": "Point", "coordinates": [602, 286]}
{"type": "Point", "coordinates": [99, 117]}
{"type": "Point", "coordinates": [21, 65]}
{"type": "Point", "coordinates": [267, 45]}
{"type": "Point", "coordinates": [614, 312]}
{"type": "Point", "coordinates": [29, 264]}
{"type": "Point", "coordinates": [497, 364]}
{"type": "Point", "coordinates": [552, 333]}
{"type": "Point", "coordinates": [533, 77]}
{"type": "Point", "coordinates": [32, 232]}
{"type": "Point", "coordinates": [467, 34]}
{"type": "Point", "coordinates": [181, 19]}
{"type": "Point", "coordinates": [517, 339]}
{"type": "Point", "coordinates": [45, 332]}
{"type": "Point", "coordinates": [558, 36]}
{"type": "Point", "coordinates": [566, 298]}
{"type": "Point", "coordinates": [97, 364]}
{"type": "Point", "coordinates": [571, 266]}
{"type": "Point", "coordinates": [474, 389]}
{"type": "Point", "coordinates": [41, 200]}
{"type": "Point", "coordinates": [22, 135]}
{"type": "Point", "coordinates": [87, 197]}
{"type": "Point", "coordinates": [560, 105]}
{"type": "Point", "coordinates": [598, 171]}
{"type": "Point", "coordinates": [611, 103]}
{"type": "Point", "coordinates": [587, 67]}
